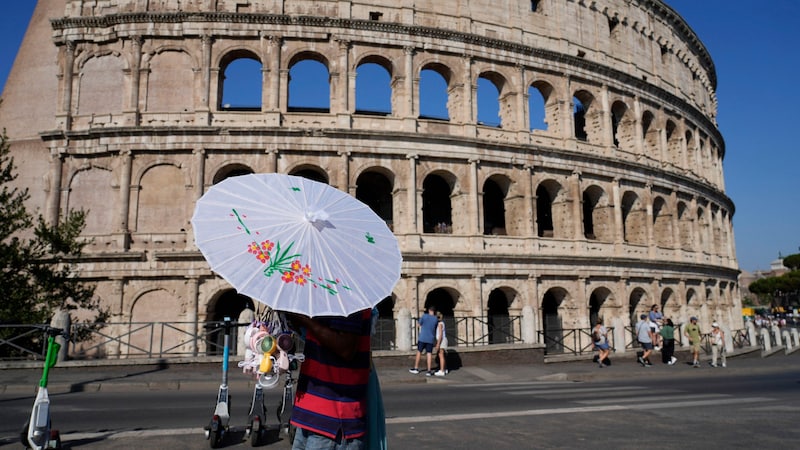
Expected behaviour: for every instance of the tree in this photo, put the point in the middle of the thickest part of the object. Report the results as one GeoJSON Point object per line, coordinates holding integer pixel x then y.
{"type": "Point", "coordinates": [38, 260]}
{"type": "Point", "coordinates": [792, 262]}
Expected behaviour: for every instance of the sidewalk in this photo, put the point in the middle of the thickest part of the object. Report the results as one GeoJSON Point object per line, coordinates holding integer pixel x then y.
{"type": "Point", "coordinates": [185, 374]}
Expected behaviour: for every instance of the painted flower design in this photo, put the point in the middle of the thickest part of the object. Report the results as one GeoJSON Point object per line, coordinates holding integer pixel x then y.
{"type": "Point", "coordinates": [281, 260]}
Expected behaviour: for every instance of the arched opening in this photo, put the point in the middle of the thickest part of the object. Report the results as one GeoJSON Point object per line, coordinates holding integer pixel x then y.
{"type": "Point", "coordinates": [232, 170]}
{"type": "Point", "coordinates": [240, 83]}
{"type": "Point", "coordinates": [500, 331]}
{"type": "Point", "coordinates": [494, 211]}
{"type": "Point", "coordinates": [436, 207]}
{"type": "Point", "coordinates": [551, 320]}
{"type": "Point", "coordinates": [537, 106]}
{"type": "Point", "coordinates": [634, 225]}
{"type": "Point", "coordinates": [227, 304]}
{"type": "Point", "coordinates": [312, 174]}
{"type": "Point", "coordinates": [375, 190]}
{"type": "Point", "coordinates": [309, 86]}
{"type": "Point", "coordinates": [373, 89]}
{"type": "Point", "coordinates": [544, 212]}
{"type": "Point", "coordinates": [579, 119]}
{"type": "Point", "coordinates": [662, 223]}
{"type": "Point", "coordinates": [433, 89]}
{"type": "Point", "coordinates": [637, 305]}
{"type": "Point", "coordinates": [384, 336]}
{"type": "Point", "coordinates": [597, 300]}
{"type": "Point", "coordinates": [489, 102]}
{"type": "Point", "coordinates": [444, 302]}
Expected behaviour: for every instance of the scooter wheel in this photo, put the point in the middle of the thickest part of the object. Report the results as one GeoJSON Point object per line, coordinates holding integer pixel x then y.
{"type": "Point", "coordinates": [55, 439]}
{"type": "Point", "coordinates": [255, 432]}
{"type": "Point", "coordinates": [215, 433]}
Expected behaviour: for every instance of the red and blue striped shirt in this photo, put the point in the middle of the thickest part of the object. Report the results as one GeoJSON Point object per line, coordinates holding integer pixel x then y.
{"type": "Point", "coordinates": [331, 397]}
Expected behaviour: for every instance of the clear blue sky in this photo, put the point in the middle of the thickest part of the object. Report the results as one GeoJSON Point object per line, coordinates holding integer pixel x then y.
{"type": "Point", "coordinates": [755, 49]}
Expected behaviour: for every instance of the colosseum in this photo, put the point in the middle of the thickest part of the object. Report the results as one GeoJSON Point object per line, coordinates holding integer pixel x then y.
{"type": "Point", "coordinates": [542, 163]}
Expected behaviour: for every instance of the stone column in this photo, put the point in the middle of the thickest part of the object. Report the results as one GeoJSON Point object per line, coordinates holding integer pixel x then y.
{"type": "Point", "coordinates": [608, 130]}
{"type": "Point", "coordinates": [271, 96]}
{"type": "Point", "coordinates": [56, 175]}
{"type": "Point", "coordinates": [618, 233]}
{"type": "Point", "coordinates": [648, 201]}
{"type": "Point", "coordinates": [200, 175]}
{"type": "Point", "coordinates": [125, 197]}
{"type": "Point", "coordinates": [205, 42]}
{"type": "Point", "coordinates": [468, 113]}
{"type": "Point", "coordinates": [414, 216]}
{"type": "Point", "coordinates": [344, 174]}
{"type": "Point", "coordinates": [530, 205]}
{"type": "Point", "coordinates": [475, 207]}
{"type": "Point", "coordinates": [193, 295]}
{"type": "Point", "coordinates": [66, 105]}
{"type": "Point", "coordinates": [577, 205]}
{"type": "Point", "coordinates": [637, 125]}
{"type": "Point", "coordinates": [136, 76]}
{"type": "Point", "coordinates": [272, 160]}
{"type": "Point", "coordinates": [676, 232]}
{"type": "Point", "coordinates": [410, 86]}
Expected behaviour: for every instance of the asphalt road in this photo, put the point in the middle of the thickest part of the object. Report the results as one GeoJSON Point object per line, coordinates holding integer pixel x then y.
{"type": "Point", "coordinates": [663, 408]}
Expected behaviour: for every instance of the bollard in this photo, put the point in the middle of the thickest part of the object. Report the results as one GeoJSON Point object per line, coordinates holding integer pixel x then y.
{"type": "Point", "coordinates": [403, 332]}
{"type": "Point", "coordinates": [766, 341]}
{"type": "Point", "coordinates": [796, 337]}
{"type": "Point", "coordinates": [787, 340]}
{"type": "Point", "coordinates": [246, 316]}
{"type": "Point", "coordinates": [776, 332]}
{"type": "Point", "coordinates": [751, 333]}
{"type": "Point", "coordinates": [528, 324]}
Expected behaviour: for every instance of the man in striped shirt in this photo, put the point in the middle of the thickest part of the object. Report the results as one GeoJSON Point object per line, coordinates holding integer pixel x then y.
{"type": "Point", "coordinates": [331, 399]}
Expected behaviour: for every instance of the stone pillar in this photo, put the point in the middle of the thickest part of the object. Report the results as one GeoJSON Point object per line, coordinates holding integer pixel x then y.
{"type": "Point", "coordinates": [136, 76]}
{"type": "Point", "coordinates": [414, 215]}
{"type": "Point", "coordinates": [648, 202]}
{"type": "Point", "coordinates": [270, 96]}
{"type": "Point", "coordinates": [403, 332]}
{"type": "Point", "coordinates": [61, 320]}
{"type": "Point", "coordinates": [528, 325]}
{"type": "Point", "coordinates": [344, 174]}
{"type": "Point", "coordinates": [125, 197]}
{"type": "Point", "coordinates": [200, 175]}
{"type": "Point", "coordinates": [618, 233]}
{"type": "Point", "coordinates": [56, 175]}
{"type": "Point", "coordinates": [205, 42]}
{"type": "Point", "coordinates": [577, 205]}
{"type": "Point", "coordinates": [193, 295]}
{"type": "Point", "coordinates": [272, 160]}
{"type": "Point", "coordinates": [118, 289]}
{"type": "Point", "coordinates": [766, 340]}
{"type": "Point", "coordinates": [475, 207]}
{"type": "Point", "coordinates": [410, 86]}
{"type": "Point", "coordinates": [751, 332]}
{"type": "Point", "coordinates": [522, 118]}
{"type": "Point", "coordinates": [530, 205]}
{"type": "Point", "coordinates": [66, 101]}
{"type": "Point", "coordinates": [608, 130]}
{"type": "Point", "coordinates": [468, 113]}
{"type": "Point", "coordinates": [637, 127]}
{"type": "Point", "coordinates": [676, 231]}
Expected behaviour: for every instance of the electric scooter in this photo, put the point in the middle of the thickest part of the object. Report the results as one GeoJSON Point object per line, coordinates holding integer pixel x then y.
{"type": "Point", "coordinates": [218, 427]}
{"type": "Point", "coordinates": [37, 432]}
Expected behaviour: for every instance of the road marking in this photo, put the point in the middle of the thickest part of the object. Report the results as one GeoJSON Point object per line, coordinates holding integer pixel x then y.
{"type": "Point", "coordinates": [131, 434]}
{"type": "Point", "coordinates": [581, 391]}
{"type": "Point", "coordinates": [651, 398]}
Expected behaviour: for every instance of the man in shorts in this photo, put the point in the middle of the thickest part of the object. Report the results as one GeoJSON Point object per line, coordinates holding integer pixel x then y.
{"type": "Point", "coordinates": [427, 339]}
{"type": "Point", "coordinates": [692, 331]}
{"type": "Point", "coordinates": [645, 336]}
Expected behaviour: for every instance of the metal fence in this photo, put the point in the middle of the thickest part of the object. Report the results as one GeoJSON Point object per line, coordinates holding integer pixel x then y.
{"type": "Point", "coordinates": [575, 341]}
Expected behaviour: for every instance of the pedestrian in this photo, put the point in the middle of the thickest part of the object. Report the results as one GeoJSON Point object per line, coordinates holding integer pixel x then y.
{"type": "Point", "coordinates": [717, 345]}
{"type": "Point", "coordinates": [331, 414]}
{"type": "Point", "coordinates": [656, 320]}
{"type": "Point", "coordinates": [645, 336]}
{"type": "Point", "coordinates": [692, 331]}
{"type": "Point", "coordinates": [600, 337]}
{"type": "Point", "coordinates": [427, 337]}
{"type": "Point", "coordinates": [441, 345]}
{"type": "Point", "coordinates": [667, 334]}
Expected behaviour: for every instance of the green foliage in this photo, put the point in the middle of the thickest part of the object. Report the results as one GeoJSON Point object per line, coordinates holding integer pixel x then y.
{"type": "Point", "coordinates": [37, 259]}
{"type": "Point", "coordinates": [792, 261]}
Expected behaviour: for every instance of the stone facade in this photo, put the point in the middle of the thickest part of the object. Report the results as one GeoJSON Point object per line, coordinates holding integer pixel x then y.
{"type": "Point", "coordinates": [615, 203]}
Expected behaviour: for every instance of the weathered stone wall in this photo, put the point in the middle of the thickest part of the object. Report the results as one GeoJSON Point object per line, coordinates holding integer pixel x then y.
{"type": "Point", "coordinates": [610, 209]}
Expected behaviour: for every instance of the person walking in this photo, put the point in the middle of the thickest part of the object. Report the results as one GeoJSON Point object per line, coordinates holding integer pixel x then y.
{"type": "Point", "coordinates": [656, 321]}
{"type": "Point", "coordinates": [427, 338]}
{"type": "Point", "coordinates": [692, 331]}
{"type": "Point", "coordinates": [441, 345]}
{"type": "Point", "coordinates": [717, 345]}
{"type": "Point", "coordinates": [600, 337]}
{"type": "Point", "coordinates": [645, 336]}
{"type": "Point", "coordinates": [667, 334]}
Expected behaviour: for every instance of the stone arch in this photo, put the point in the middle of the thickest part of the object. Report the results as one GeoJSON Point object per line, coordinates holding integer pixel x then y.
{"type": "Point", "coordinates": [100, 79]}
{"type": "Point", "coordinates": [445, 299]}
{"type": "Point", "coordinates": [227, 303]}
{"type": "Point", "coordinates": [164, 200]}
{"type": "Point", "coordinates": [543, 108]}
{"type": "Point", "coordinates": [311, 172]}
{"type": "Point", "coordinates": [552, 327]}
{"type": "Point", "coordinates": [309, 72]}
{"type": "Point", "coordinates": [685, 227]}
{"type": "Point", "coordinates": [495, 191]}
{"type": "Point", "coordinates": [701, 218]}
{"type": "Point", "coordinates": [600, 301]}
{"type": "Point", "coordinates": [437, 210]}
{"type": "Point", "coordinates": [586, 117]}
{"type": "Point", "coordinates": [154, 304]}
{"type": "Point", "coordinates": [691, 151]}
{"type": "Point", "coordinates": [170, 83]}
{"type": "Point", "coordinates": [434, 87]}
{"type": "Point", "coordinates": [598, 215]}
{"type": "Point", "coordinates": [499, 321]}
{"type": "Point", "coordinates": [85, 185]}
{"type": "Point", "coordinates": [231, 170]}
{"type": "Point", "coordinates": [662, 223]}
{"type": "Point", "coordinates": [552, 210]}
{"type": "Point", "coordinates": [638, 304]}
{"type": "Point", "coordinates": [670, 306]}
{"type": "Point", "coordinates": [491, 101]}
{"type": "Point", "coordinates": [374, 94]}
{"type": "Point", "coordinates": [651, 136]}
{"type": "Point", "coordinates": [623, 124]}
{"type": "Point", "coordinates": [241, 68]}
{"type": "Point", "coordinates": [634, 219]}
{"type": "Point", "coordinates": [374, 188]}
{"type": "Point", "coordinates": [674, 145]}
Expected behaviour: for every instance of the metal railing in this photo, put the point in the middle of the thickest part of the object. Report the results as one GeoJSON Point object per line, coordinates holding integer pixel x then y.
{"type": "Point", "coordinates": [575, 341]}
{"type": "Point", "coordinates": [478, 331]}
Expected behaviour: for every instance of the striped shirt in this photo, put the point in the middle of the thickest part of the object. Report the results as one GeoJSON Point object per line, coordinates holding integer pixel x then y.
{"type": "Point", "coordinates": [331, 395]}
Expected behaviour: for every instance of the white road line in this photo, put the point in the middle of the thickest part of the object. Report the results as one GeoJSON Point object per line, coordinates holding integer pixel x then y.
{"type": "Point", "coordinates": [650, 399]}
{"type": "Point", "coordinates": [132, 434]}
{"type": "Point", "coordinates": [512, 384]}
{"type": "Point", "coordinates": [580, 391]}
